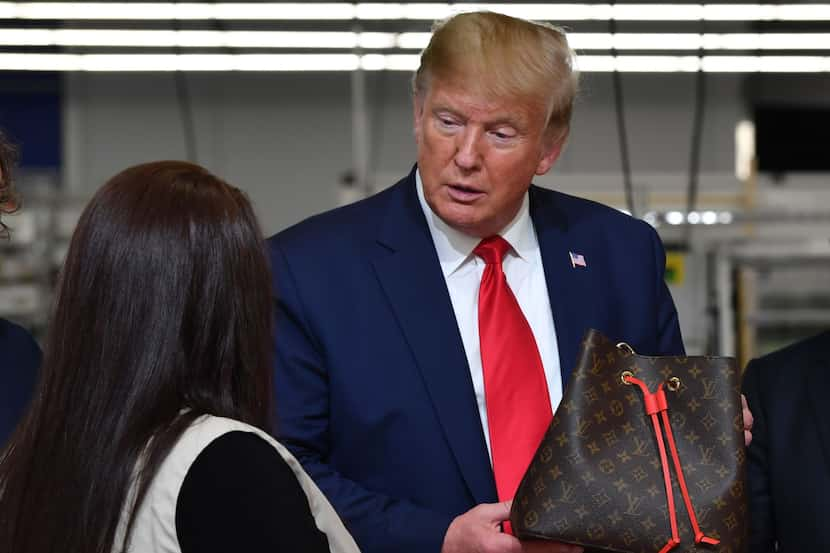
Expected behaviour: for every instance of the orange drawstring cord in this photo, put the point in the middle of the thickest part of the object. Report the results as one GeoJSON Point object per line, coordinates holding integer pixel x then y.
{"type": "Point", "coordinates": [699, 537]}
{"type": "Point", "coordinates": [655, 403]}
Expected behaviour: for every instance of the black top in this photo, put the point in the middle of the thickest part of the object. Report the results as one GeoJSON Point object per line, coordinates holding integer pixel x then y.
{"type": "Point", "coordinates": [788, 461]}
{"type": "Point", "coordinates": [19, 362]}
{"type": "Point", "coordinates": [241, 495]}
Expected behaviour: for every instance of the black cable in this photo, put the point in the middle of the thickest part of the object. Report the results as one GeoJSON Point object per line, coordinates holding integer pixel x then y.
{"type": "Point", "coordinates": [623, 139]}
{"type": "Point", "coordinates": [697, 139]}
{"type": "Point", "coordinates": [186, 113]}
{"type": "Point", "coordinates": [378, 120]}
{"type": "Point", "coordinates": [185, 103]}
{"type": "Point", "coordinates": [619, 105]}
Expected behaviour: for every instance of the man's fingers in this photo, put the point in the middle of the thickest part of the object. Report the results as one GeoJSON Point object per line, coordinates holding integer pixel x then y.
{"type": "Point", "coordinates": [747, 414]}
{"type": "Point", "coordinates": [538, 546]}
{"type": "Point", "coordinates": [494, 512]}
{"type": "Point", "coordinates": [748, 420]}
{"type": "Point", "coordinates": [566, 548]}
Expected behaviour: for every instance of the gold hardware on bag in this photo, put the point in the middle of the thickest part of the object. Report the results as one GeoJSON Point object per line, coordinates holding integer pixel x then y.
{"type": "Point", "coordinates": [673, 384]}
{"type": "Point", "coordinates": [627, 348]}
{"type": "Point", "coordinates": [624, 376]}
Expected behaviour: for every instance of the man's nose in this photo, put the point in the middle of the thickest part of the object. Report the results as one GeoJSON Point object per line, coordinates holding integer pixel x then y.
{"type": "Point", "coordinates": [467, 152]}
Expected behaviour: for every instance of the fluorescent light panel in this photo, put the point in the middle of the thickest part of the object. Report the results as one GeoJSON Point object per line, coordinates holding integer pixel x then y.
{"type": "Point", "coordinates": [308, 39]}
{"type": "Point", "coordinates": [394, 62]}
{"type": "Point", "coordinates": [708, 64]}
{"type": "Point", "coordinates": [412, 11]}
{"type": "Point", "coordinates": [691, 41]}
{"type": "Point", "coordinates": [183, 62]}
{"type": "Point", "coordinates": [194, 39]}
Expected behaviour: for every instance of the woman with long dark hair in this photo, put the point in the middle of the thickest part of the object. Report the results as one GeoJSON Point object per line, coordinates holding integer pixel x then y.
{"type": "Point", "coordinates": [19, 353]}
{"type": "Point", "coordinates": [148, 428]}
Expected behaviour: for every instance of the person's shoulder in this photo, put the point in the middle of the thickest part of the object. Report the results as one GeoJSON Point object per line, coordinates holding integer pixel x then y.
{"type": "Point", "coordinates": [582, 213]}
{"type": "Point", "coordinates": [241, 494]}
{"type": "Point", "coordinates": [795, 356]}
{"type": "Point", "coordinates": [230, 454]}
{"type": "Point", "coordinates": [13, 331]}
{"type": "Point", "coordinates": [18, 345]}
{"type": "Point", "coordinates": [239, 448]}
{"type": "Point", "coordinates": [343, 223]}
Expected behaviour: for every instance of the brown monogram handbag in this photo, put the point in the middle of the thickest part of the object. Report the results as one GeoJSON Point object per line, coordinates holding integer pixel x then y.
{"type": "Point", "coordinates": [644, 455]}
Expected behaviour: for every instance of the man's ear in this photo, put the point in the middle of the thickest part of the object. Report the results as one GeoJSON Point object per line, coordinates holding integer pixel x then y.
{"type": "Point", "coordinates": [551, 151]}
{"type": "Point", "coordinates": [417, 114]}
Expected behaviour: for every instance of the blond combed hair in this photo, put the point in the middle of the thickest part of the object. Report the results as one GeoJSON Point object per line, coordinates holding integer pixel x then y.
{"type": "Point", "coordinates": [503, 57]}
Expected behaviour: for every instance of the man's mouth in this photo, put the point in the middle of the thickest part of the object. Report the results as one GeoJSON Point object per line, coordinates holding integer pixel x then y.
{"type": "Point", "coordinates": [463, 193]}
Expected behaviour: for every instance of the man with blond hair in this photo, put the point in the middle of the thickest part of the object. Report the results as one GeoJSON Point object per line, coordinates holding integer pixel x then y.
{"type": "Point", "coordinates": [424, 335]}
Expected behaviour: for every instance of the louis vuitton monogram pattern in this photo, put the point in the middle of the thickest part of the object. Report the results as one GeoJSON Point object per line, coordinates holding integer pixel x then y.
{"type": "Point", "coordinates": [596, 479]}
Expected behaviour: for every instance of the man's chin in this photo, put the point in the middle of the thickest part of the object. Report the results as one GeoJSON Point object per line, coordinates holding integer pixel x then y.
{"type": "Point", "coordinates": [467, 225]}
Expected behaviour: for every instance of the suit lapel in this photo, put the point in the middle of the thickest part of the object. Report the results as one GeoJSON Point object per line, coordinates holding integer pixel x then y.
{"type": "Point", "coordinates": [410, 275]}
{"type": "Point", "coordinates": [817, 374]}
{"type": "Point", "coordinates": [567, 286]}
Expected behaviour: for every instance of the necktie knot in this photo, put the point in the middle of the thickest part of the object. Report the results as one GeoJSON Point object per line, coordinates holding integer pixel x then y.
{"type": "Point", "coordinates": [492, 249]}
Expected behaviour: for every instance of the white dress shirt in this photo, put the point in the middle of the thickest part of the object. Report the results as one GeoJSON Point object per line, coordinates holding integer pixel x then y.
{"type": "Point", "coordinates": [526, 277]}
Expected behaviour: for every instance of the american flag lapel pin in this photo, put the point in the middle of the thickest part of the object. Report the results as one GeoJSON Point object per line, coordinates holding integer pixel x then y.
{"type": "Point", "coordinates": [577, 260]}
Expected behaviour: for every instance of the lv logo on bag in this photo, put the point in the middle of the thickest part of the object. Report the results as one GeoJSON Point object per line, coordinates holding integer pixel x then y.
{"type": "Point", "coordinates": [650, 451]}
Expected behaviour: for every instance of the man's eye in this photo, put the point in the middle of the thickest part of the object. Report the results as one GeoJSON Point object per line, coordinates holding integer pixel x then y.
{"type": "Point", "coordinates": [501, 135]}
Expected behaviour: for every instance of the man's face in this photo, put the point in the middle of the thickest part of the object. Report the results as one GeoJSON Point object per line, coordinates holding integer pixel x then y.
{"type": "Point", "coordinates": [477, 155]}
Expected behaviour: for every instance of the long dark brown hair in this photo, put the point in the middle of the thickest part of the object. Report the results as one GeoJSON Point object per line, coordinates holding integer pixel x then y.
{"type": "Point", "coordinates": [163, 314]}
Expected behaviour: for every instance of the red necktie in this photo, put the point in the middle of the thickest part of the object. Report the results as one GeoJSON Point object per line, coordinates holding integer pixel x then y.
{"type": "Point", "coordinates": [515, 389]}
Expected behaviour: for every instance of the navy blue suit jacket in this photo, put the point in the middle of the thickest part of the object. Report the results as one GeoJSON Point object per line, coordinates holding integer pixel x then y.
{"type": "Point", "coordinates": [19, 363]}
{"type": "Point", "coordinates": [788, 461]}
{"type": "Point", "coordinates": [373, 389]}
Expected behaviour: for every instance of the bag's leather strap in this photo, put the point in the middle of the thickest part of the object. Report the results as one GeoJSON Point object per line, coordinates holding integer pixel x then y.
{"type": "Point", "coordinates": [657, 407]}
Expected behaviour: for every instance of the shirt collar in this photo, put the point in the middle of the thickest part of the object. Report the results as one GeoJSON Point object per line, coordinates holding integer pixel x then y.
{"type": "Point", "coordinates": [454, 248]}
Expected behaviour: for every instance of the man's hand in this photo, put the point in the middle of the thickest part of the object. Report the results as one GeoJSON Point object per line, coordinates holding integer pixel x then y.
{"type": "Point", "coordinates": [478, 531]}
{"type": "Point", "coordinates": [747, 421]}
